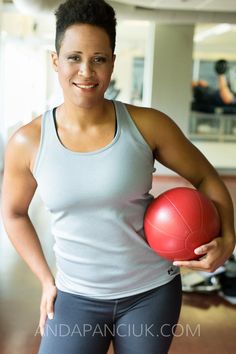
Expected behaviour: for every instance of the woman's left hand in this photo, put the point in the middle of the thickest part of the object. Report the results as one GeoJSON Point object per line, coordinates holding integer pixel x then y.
{"type": "Point", "coordinates": [212, 255]}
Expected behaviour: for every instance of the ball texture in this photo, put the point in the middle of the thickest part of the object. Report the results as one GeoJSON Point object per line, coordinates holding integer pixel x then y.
{"type": "Point", "coordinates": [180, 220]}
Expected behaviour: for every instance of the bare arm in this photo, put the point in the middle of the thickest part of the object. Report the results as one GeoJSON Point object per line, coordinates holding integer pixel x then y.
{"type": "Point", "coordinates": [19, 187]}
{"type": "Point", "coordinates": [225, 93]}
{"type": "Point", "coordinates": [176, 152]}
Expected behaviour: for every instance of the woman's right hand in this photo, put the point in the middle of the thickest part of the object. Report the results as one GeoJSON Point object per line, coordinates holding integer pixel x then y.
{"type": "Point", "coordinates": [48, 298]}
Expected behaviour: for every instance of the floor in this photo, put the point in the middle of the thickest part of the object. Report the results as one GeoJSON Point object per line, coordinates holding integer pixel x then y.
{"type": "Point", "coordinates": [207, 322]}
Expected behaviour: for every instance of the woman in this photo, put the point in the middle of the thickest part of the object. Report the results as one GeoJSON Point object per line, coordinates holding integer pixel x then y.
{"type": "Point", "coordinates": [92, 161]}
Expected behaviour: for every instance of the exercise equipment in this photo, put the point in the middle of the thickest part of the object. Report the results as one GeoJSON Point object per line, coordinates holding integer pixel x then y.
{"type": "Point", "coordinates": [221, 66]}
{"type": "Point", "coordinates": [180, 220]}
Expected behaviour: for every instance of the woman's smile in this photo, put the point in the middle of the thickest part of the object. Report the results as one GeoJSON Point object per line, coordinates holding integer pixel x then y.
{"type": "Point", "coordinates": [86, 86]}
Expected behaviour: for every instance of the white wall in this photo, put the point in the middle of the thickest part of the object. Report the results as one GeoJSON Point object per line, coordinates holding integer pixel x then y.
{"type": "Point", "coordinates": [172, 71]}
{"type": "Point", "coordinates": [221, 155]}
{"type": "Point", "coordinates": [168, 73]}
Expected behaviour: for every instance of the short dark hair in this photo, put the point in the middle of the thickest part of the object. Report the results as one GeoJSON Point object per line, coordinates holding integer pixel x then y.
{"type": "Point", "coordinates": [92, 12]}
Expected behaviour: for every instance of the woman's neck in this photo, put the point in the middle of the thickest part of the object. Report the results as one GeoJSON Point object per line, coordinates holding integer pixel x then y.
{"type": "Point", "coordinates": [69, 115]}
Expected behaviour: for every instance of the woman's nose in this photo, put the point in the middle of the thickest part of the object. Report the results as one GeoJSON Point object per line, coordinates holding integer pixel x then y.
{"type": "Point", "coordinates": [86, 69]}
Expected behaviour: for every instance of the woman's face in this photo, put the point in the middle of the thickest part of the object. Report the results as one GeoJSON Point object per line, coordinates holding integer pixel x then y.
{"type": "Point", "coordinates": [84, 64]}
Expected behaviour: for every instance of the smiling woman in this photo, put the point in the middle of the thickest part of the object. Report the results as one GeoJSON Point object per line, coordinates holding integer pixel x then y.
{"type": "Point", "coordinates": [92, 160]}
{"type": "Point", "coordinates": [84, 62]}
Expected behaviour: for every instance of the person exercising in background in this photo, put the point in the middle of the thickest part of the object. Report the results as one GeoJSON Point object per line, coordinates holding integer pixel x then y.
{"type": "Point", "coordinates": [226, 94]}
{"type": "Point", "coordinates": [92, 160]}
{"type": "Point", "coordinates": [203, 94]}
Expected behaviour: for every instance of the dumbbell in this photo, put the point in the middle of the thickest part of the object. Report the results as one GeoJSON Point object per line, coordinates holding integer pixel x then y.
{"type": "Point", "coordinates": [221, 66]}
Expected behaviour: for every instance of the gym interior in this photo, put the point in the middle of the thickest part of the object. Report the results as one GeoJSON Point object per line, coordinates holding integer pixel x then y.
{"type": "Point", "coordinates": [162, 46]}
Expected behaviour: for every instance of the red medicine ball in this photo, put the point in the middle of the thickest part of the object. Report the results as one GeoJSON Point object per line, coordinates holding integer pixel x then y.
{"type": "Point", "coordinates": [180, 220]}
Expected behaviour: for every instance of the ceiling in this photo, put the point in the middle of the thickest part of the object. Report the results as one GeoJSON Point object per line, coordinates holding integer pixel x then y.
{"type": "Point", "coordinates": [177, 11]}
{"type": "Point", "coordinates": [208, 16]}
{"type": "Point", "coordinates": [196, 5]}
{"type": "Point", "coordinates": [192, 5]}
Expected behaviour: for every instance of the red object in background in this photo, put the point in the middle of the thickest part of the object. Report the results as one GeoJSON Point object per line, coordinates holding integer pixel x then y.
{"type": "Point", "coordinates": [180, 220]}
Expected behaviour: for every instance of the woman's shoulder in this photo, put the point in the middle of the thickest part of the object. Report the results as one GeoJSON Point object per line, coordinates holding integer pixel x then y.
{"type": "Point", "coordinates": [28, 133]}
{"type": "Point", "coordinates": [147, 121]}
{"type": "Point", "coordinates": [153, 124]}
{"type": "Point", "coordinates": [148, 114]}
{"type": "Point", "coordinates": [151, 118]}
{"type": "Point", "coordinates": [23, 144]}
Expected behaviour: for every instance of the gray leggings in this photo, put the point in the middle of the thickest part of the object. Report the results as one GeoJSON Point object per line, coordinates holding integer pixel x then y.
{"type": "Point", "coordinates": [138, 324]}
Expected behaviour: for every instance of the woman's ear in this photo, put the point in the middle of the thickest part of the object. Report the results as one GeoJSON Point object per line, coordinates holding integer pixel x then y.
{"type": "Point", "coordinates": [54, 58]}
{"type": "Point", "coordinates": [114, 59]}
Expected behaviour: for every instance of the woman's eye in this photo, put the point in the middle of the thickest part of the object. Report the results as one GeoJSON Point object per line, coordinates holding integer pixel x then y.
{"type": "Point", "coordinates": [95, 60]}
{"type": "Point", "coordinates": [99, 60]}
{"type": "Point", "coordinates": [74, 58]}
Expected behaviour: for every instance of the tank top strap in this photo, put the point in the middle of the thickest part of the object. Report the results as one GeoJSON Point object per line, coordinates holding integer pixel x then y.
{"type": "Point", "coordinates": [128, 126]}
{"type": "Point", "coordinates": [121, 115]}
{"type": "Point", "coordinates": [46, 137]}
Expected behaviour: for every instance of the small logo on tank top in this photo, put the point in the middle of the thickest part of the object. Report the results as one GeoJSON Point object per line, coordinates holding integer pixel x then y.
{"type": "Point", "coordinates": [172, 270]}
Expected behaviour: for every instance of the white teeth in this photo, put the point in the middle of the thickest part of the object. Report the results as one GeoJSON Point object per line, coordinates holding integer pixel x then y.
{"type": "Point", "coordinates": [86, 86]}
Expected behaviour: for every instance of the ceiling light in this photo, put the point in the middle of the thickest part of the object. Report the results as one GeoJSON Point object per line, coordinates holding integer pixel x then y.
{"type": "Point", "coordinates": [213, 31]}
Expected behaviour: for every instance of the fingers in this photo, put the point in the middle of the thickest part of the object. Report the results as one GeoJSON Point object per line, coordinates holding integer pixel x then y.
{"type": "Point", "coordinates": [206, 259]}
{"type": "Point", "coordinates": [203, 249]}
{"type": "Point", "coordinates": [50, 309]}
{"type": "Point", "coordinates": [200, 265]}
{"type": "Point", "coordinates": [47, 308]}
{"type": "Point", "coordinates": [45, 312]}
{"type": "Point", "coordinates": [211, 256]}
{"type": "Point", "coordinates": [42, 321]}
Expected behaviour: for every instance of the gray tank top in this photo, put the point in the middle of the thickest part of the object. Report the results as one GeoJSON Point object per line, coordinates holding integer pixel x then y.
{"type": "Point", "coordinates": [97, 201]}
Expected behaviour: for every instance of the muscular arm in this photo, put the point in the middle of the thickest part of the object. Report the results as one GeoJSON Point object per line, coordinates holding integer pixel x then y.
{"type": "Point", "coordinates": [19, 187]}
{"type": "Point", "coordinates": [176, 152]}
